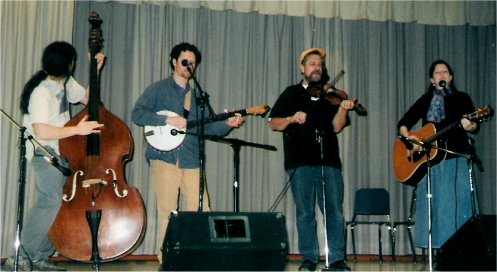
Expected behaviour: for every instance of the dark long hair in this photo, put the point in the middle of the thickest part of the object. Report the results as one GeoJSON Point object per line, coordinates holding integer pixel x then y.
{"type": "Point", "coordinates": [452, 87]}
{"type": "Point", "coordinates": [56, 61]}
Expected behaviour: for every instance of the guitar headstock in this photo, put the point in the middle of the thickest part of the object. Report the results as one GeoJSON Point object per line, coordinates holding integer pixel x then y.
{"type": "Point", "coordinates": [481, 113]}
{"type": "Point", "coordinates": [260, 110]}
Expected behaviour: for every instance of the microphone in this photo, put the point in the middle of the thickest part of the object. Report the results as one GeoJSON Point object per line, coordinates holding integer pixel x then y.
{"type": "Point", "coordinates": [406, 142]}
{"type": "Point", "coordinates": [443, 84]}
{"type": "Point", "coordinates": [185, 63]}
{"type": "Point", "coordinates": [188, 65]}
{"type": "Point", "coordinates": [64, 170]}
{"type": "Point", "coordinates": [52, 160]}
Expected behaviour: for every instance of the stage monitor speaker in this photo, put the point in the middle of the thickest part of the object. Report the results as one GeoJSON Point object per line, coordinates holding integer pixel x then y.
{"type": "Point", "coordinates": [225, 241]}
{"type": "Point", "coordinates": [471, 248]}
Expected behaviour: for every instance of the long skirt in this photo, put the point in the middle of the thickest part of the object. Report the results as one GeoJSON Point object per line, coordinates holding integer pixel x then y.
{"type": "Point", "coordinates": [450, 206]}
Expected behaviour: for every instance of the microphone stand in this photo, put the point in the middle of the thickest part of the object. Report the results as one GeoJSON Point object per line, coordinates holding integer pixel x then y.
{"type": "Point", "coordinates": [320, 139]}
{"type": "Point", "coordinates": [473, 158]}
{"type": "Point", "coordinates": [236, 144]}
{"type": "Point", "coordinates": [21, 185]}
{"type": "Point", "coordinates": [22, 179]}
{"type": "Point", "coordinates": [429, 197]}
{"type": "Point", "coordinates": [201, 99]}
{"type": "Point", "coordinates": [49, 157]}
{"type": "Point", "coordinates": [319, 135]}
{"type": "Point", "coordinates": [426, 147]}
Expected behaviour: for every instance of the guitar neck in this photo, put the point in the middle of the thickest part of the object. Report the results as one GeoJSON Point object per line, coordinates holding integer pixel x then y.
{"type": "Point", "coordinates": [441, 132]}
{"type": "Point", "coordinates": [480, 114]}
{"type": "Point", "coordinates": [215, 118]}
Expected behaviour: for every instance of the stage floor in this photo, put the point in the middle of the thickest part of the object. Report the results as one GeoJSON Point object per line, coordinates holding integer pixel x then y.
{"type": "Point", "coordinates": [368, 263]}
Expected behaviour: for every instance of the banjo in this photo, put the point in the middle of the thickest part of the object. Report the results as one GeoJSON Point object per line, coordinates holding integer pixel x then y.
{"type": "Point", "coordinates": [168, 137]}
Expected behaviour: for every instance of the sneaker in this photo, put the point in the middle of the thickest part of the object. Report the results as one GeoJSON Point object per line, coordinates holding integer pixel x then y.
{"type": "Point", "coordinates": [45, 265]}
{"type": "Point", "coordinates": [339, 265]}
{"type": "Point", "coordinates": [307, 265]}
{"type": "Point", "coordinates": [24, 264]}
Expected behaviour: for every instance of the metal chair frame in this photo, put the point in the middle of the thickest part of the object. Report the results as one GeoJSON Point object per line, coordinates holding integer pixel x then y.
{"type": "Point", "coordinates": [408, 223]}
{"type": "Point", "coordinates": [375, 202]}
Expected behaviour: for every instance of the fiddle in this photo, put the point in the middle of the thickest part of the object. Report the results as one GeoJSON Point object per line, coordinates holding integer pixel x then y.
{"type": "Point", "coordinates": [335, 96]}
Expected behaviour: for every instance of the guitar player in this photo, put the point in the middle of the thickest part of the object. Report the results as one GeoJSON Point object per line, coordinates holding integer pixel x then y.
{"type": "Point", "coordinates": [442, 105]}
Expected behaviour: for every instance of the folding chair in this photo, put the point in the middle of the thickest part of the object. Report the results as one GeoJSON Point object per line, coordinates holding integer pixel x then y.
{"type": "Point", "coordinates": [372, 202]}
{"type": "Point", "coordinates": [408, 223]}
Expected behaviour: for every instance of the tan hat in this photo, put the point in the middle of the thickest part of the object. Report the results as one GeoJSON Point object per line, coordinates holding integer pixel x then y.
{"type": "Point", "coordinates": [315, 50]}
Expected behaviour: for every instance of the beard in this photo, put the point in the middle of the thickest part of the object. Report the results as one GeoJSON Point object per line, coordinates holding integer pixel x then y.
{"type": "Point", "coordinates": [314, 76]}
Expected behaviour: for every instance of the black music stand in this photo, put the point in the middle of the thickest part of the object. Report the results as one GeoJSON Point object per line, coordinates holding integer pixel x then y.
{"type": "Point", "coordinates": [236, 144]}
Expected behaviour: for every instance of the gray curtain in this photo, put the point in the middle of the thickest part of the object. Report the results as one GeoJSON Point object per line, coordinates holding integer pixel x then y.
{"type": "Point", "coordinates": [423, 12]}
{"type": "Point", "coordinates": [249, 59]}
{"type": "Point", "coordinates": [26, 28]}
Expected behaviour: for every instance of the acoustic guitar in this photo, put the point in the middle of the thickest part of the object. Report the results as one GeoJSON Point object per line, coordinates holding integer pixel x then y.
{"type": "Point", "coordinates": [410, 164]}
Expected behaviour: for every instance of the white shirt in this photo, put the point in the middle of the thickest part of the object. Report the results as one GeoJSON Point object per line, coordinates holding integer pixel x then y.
{"type": "Point", "coordinates": [45, 108]}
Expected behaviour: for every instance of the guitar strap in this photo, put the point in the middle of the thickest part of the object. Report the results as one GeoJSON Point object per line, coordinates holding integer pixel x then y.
{"type": "Point", "coordinates": [187, 105]}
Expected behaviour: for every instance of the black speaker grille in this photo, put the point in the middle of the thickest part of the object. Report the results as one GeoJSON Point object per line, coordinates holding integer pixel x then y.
{"type": "Point", "coordinates": [225, 241]}
{"type": "Point", "coordinates": [471, 248]}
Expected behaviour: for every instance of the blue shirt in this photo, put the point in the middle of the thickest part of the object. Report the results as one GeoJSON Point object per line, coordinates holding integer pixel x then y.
{"type": "Point", "coordinates": [167, 95]}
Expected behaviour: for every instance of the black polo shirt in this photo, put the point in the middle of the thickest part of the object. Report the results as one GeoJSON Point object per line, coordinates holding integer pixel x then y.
{"type": "Point", "coordinates": [301, 145]}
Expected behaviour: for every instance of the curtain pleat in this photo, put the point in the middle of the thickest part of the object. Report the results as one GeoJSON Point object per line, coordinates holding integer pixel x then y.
{"type": "Point", "coordinates": [423, 12]}
{"type": "Point", "coordinates": [249, 58]}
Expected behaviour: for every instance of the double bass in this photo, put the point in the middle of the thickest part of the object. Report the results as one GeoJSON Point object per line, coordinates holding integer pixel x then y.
{"type": "Point", "coordinates": [97, 184]}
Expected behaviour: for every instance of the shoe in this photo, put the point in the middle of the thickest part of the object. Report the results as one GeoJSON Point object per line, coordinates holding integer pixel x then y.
{"type": "Point", "coordinates": [45, 265]}
{"type": "Point", "coordinates": [339, 265]}
{"type": "Point", "coordinates": [23, 264]}
{"type": "Point", "coordinates": [307, 265]}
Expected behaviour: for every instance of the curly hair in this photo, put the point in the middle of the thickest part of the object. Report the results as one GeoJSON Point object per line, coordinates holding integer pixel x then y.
{"type": "Point", "coordinates": [182, 47]}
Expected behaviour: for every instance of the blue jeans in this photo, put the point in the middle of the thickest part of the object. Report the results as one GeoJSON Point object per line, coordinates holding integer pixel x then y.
{"type": "Point", "coordinates": [451, 202]}
{"type": "Point", "coordinates": [49, 185]}
{"type": "Point", "coordinates": [307, 188]}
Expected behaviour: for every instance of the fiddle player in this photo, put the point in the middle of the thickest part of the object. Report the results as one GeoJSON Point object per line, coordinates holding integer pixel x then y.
{"type": "Point", "coordinates": [45, 106]}
{"type": "Point", "coordinates": [441, 105]}
{"type": "Point", "coordinates": [176, 172]}
{"type": "Point", "coordinates": [304, 119]}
